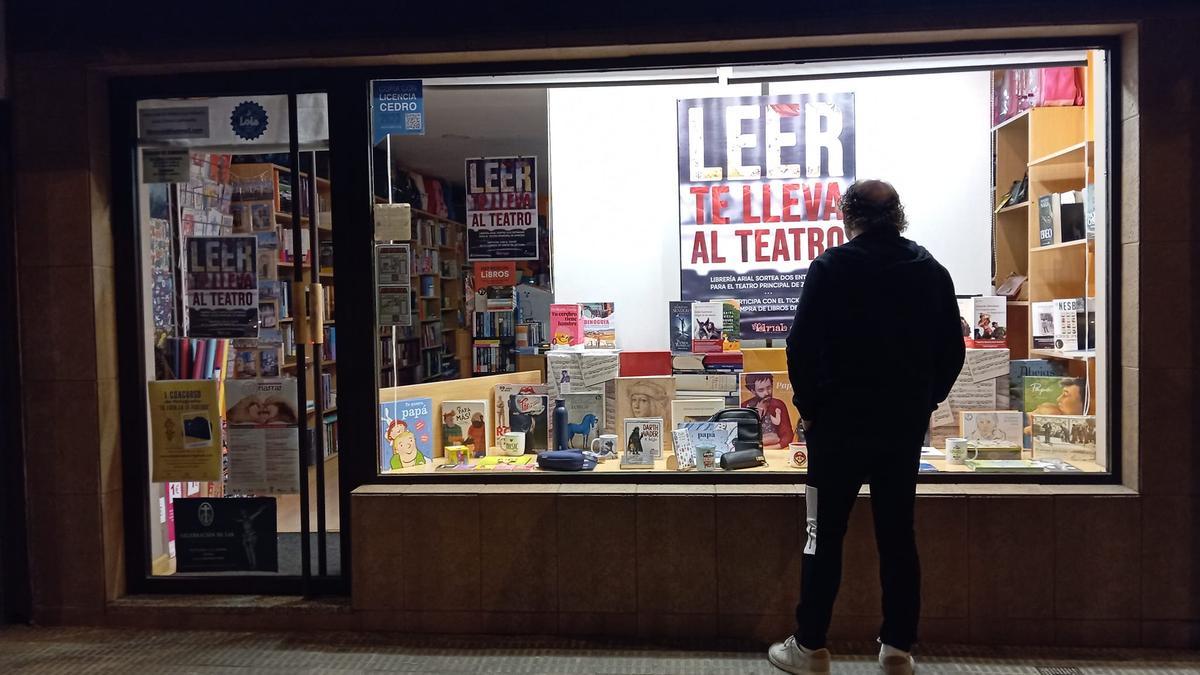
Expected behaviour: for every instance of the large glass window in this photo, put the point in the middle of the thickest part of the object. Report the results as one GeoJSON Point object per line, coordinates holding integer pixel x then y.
{"type": "Point", "coordinates": [633, 244]}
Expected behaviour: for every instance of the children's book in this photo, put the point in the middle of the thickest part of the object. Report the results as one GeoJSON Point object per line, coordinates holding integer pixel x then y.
{"type": "Point", "coordinates": [731, 330]}
{"type": "Point", "coordinates": [585, 415]}
{"type": "Point", "coordinates": [637, 397]}
{"type": "Point", "coordinates": [502, 399]}
{"type": "Point", "coordinates": [992, 425]}
{"type": "Point", "coordinates": [680, 328]}
{"type": "Point", "coordinates": [467, 423]}
{"type": "Point", "coordinates": [1063, 437]}
{"type": "Point", "coordinates": [989, 322]}
{"type": "Point", "coordinates": [642, 442]}
{"type": "Point", "coordinates": [708, 324]}
{"type": "Point", "coordinates": [530, 414]}
{"type": "Point", "coordinates": [565, 331]}
{"type": "Point", "coordinates": [405, 434]}
{"type": "Point", "coordinates": [770, 394]}
{"type": "Point", "coordinates": [694, 409]}
{"type": "Point", "coordinates": [598, 322]}
{"type": "Point", "coordinates": [708, 441]}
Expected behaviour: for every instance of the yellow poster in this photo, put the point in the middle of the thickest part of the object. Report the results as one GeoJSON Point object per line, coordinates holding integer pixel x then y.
{"type": "Point", "coordinates": [186, 421]}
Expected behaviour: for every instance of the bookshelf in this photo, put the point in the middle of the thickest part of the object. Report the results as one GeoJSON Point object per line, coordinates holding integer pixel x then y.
{"type": "Point", "coordinates": [1049, 145]}
{"type": "Point", "coordinates": [262, 202]}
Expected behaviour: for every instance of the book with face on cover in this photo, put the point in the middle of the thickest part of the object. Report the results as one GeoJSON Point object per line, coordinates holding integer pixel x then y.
{"type": "Point", "coordinates": [989, 317]}
{"type": "Point", "coordinates": [992, 426]}
{"type": "Point", "coordinates": [467, 423]}
{"type": "Point", "coordinates": [642, 442]}
{"type": "Point", "coordinates": [770, 394]}
{"type": "Point", "coordinates": [638, 397]}
{"type": "Point", "coordinates": [530, 414]}
{"type": "Point", "coordinates": [405, 434]}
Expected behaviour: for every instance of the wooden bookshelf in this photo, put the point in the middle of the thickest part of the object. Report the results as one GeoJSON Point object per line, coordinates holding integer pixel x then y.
{"type": "Point", "coordinates": [1049, 146]}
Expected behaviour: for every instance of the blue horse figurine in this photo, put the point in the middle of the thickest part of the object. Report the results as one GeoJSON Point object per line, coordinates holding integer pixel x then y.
{"type": "Point", "coordinates": [584, 427]}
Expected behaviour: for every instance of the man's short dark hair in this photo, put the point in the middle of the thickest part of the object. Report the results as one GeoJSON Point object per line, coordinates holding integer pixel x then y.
{"type": "Point", "coordinates": [752, 379]}
{"type": "Point", "coordinates": [871, 205]}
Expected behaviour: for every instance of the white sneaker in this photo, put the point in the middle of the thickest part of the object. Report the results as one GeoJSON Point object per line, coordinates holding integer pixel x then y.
{"type": "Point", "coordinates": [894, 661]}
{"type": "Point", "coordinates": [792, 658]}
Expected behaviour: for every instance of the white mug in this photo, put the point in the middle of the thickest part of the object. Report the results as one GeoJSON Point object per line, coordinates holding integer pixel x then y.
{"type": "Point", "coordinates": [957, 450]}
{"type": "Point", "coordinates": [512, 443]}
{"type": "Point", "coordinates": [608, 445]}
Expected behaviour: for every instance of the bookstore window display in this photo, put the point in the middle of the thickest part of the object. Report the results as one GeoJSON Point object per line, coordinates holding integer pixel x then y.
{"type": "Point", "coordinates": [1005, 181]}
{"type": "Point", "coordinates": [238, 284]}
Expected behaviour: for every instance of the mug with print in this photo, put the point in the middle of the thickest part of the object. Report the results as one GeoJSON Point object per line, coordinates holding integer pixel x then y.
{"type": "Point", "coordinates": [512, 443]}
{"type": "Point", "coordinates": [607, 446]}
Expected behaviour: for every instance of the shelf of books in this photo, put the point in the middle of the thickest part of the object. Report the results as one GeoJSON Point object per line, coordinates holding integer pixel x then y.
{"type": "Point", "coordinates": [261, 204]}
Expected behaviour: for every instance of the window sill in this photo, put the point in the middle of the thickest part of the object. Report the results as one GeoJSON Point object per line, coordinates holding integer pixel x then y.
{"type": "Point", "coordinates": [703, 490]}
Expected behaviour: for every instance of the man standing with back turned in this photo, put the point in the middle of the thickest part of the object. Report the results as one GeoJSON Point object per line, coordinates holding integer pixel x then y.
{"type": "Point", "coordinates": [875, 346]}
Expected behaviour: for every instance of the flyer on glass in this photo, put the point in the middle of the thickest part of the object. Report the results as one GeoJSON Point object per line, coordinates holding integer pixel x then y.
{"type": "Point", "coordinates": [502, 218]}
{"type": "Point", "coordinates": [264, 438]}
{"type": "Point", "coordinates": [185, 419]}
{"type": "Point", "coordinates": [760, 180]}
{"type": "Point", "coordinates": [222, 287]}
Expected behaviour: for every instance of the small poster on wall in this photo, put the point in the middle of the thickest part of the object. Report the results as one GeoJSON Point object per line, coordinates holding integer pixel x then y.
{"type": "Point", "coordinates": [222, 287]}
{"type": "Point", "coordinates": [186, 430]}
{"type": "Point", "coordinates": [502, 217]}
{"type": "Point", "coordinates": [228, 534]}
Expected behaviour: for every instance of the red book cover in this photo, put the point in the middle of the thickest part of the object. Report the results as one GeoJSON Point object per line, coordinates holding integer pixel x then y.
{"type": "Point", "coordinates": [198, 360]}
{"type": "Point", "coordinates": [639, 364]}
{"type": "Point", "coordinates": [185, 359]}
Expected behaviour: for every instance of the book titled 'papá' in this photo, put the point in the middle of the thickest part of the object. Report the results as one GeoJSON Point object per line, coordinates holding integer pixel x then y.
{"type": "Point", "coordinates": [405, 434]}
{"type": "Point", "coordinates": [466, 423]}
{"type": "Point", "coordinates": [565, 331]}
{"type": "Point", "coordinates": [598, 322]}
{"type": "Point", "coordinates": [708, 324]}
{"type": "Point", "coordinates": [680, 329]}
{"type": "Point", "coordinates": [642, 442]}
{"type": "Point", "coordinates": [770, 395]}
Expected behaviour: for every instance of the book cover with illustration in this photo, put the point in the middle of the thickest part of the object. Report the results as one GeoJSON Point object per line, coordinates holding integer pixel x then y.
{"type": "Point", "coordinates": [694, 410]}
{"type": "Point", "coordinates": [467, 423]}
{"type": "Point", "coordinates": [1070, 438]}
{"type": "Point", "coordinates": [989, 317]}
{"type": "Point", "coordinates": [597, 320]}
{"type": "Point", "coordinates": [731, 330]}
{"type": "Point", "coordinates": [585, 417]}
{"type": "Point", "coordinates": [992, 425]}
{"type": "Point", "coordinates": [708, 326]}
{"type": "Point", "coordinates": [405, 434]}
{"type": "Point", "coordinates": [705, 436]}
{"type": "Point", "coordinates": [680, 329]}
{"type": "Point", "coordinates": [502, 402]}
{"type": "Point", "coordinates": [639, 397]}
{"type": "Point", "coordinates": [1055, 395]}
{"type": "Point", "coordinates": [530, 414]}
{"type": "Point", "coordinates": [642, 442]}
{"type": "Point", "coordinates": [770, 394]}
{"type": "Point", "coordinates": [565, 331]}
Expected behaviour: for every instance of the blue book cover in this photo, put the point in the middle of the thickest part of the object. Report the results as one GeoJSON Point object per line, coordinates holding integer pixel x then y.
{"type": "Point", "coordinates": [405, 434]}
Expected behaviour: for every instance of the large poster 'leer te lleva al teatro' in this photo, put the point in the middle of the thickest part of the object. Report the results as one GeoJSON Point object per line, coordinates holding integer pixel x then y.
{"type": "Point", "coordinates": [760, 178]}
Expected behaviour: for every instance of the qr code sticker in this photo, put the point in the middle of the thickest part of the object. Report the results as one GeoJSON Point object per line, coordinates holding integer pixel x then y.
{"type": "Point", "coordinates": [412, 121]}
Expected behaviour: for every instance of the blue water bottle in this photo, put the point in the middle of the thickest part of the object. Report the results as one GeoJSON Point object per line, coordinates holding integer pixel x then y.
{"type": "Point", "coordinates": [560, 425]}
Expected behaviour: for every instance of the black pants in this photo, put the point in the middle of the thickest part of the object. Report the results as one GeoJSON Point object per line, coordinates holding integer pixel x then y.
{"type": "Point", "coordinates": [838, 467]}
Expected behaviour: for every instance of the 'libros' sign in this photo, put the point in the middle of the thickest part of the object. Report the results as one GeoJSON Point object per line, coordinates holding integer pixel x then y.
{"type": "Point", "coordinates": [760, 178]}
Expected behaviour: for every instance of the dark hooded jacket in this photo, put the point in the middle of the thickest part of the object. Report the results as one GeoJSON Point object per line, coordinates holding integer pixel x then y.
{"type": "Point", "coordinates": [877, 335]}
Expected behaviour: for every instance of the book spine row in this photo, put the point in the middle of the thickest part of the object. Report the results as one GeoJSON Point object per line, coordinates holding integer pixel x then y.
{"type": "Point", "coordinates": [494, 324]}
{"type": "Point", "coordinates": [492, 357]}
{"type": "Point", "coordinates": [431, 335]}
{"type": "Point", "coordinates": [195, 359]}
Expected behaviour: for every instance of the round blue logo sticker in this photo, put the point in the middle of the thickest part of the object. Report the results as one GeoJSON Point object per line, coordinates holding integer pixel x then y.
{"type": "Point", "coordinates": [249, 120]}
